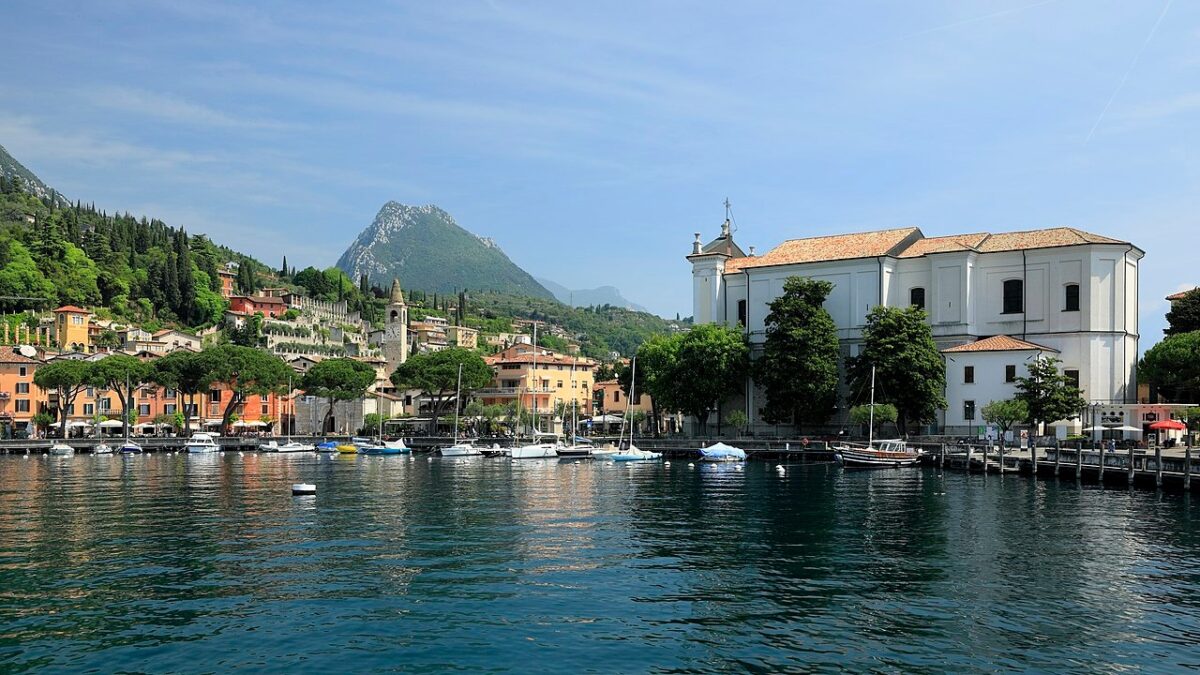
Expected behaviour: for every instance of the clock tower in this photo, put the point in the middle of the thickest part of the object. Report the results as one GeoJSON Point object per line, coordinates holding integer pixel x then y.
{"type": "Point", "coordinates": [395, 329]}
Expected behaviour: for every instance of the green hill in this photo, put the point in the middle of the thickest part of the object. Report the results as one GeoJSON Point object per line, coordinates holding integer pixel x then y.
{"type": "Point", "coordinates": [424, 248]}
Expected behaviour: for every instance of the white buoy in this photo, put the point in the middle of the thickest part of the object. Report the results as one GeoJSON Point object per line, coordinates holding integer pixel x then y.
{"type": "Point", "coordinates": [782, 471]}
{"type": "Point", "coordinates": [691, 464]}
{"type": "Point", "coordinates": [666, 464]}
{"type": "Point", "coordinates": [304, 489]}
{"type": "Point", "coordinates": [222, 453]}
{"type": "Point", "coordinates": [241, 454]}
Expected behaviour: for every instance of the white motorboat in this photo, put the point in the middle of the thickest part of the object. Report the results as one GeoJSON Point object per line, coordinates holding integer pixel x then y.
{"type": "Point", "coordinates": [460, 449]}
{"type": "Point", "coordinates": [544, 445]}
{"type": "Point", "coordinates": [102, 449]}
{"type": "Point", "coordinates": [201, 443]}
{"type": "Point", "coordinates": [130, 448]}
{"type": "Point", "coordinates": [289, 446]}
{"type": "Point", "coordinates": [62, 450]}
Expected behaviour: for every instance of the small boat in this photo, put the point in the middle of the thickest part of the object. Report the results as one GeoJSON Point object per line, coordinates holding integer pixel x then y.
{"type": "Point", "coordinates": [460, 449]}
{"type": "Point", "coordinates": [201, 443]}
{"type": "Point", "coordinates": [130, 448]}
{"type": "Point", "coordinates": [328, 446]}
{"type": "Point", "coordinates": [538, 450]}
{"type": "Point", "coordinates": [304, 489]}
{"type": "Point", "coordinates": [889, 453]}
{"type": "Point", "coordinates": [62, 450]}
{"type": "Point", "coordinates": [347, 449]}
{"type": "Point", "coordinates": [102, 449]}
{"type": "Point", "coordinates": [634, 454]}
{"type": "Point", "coordinates": [720, 452]}
{"type": "Point", "coordinates": [289, 446]}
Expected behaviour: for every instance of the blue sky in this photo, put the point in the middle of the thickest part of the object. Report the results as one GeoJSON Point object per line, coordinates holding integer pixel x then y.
{"type": "Point", "coordinates": [591, 139]}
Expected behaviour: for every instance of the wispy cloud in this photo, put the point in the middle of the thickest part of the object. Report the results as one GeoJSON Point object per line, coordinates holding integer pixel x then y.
{"type": "Point", "coordinates": [175, 109]}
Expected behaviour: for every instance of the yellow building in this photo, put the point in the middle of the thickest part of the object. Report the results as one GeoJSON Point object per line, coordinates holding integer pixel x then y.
{"type": "Point", "coordinates": [71, 329]}
{"type": "Point", "coordinates": [461, 336]}
{"type": "Point", "coordinates": [556, 378]}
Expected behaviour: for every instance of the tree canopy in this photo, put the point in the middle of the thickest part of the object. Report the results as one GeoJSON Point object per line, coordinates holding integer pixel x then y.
{"type": "Point", "coordinates": [245, 371]}
{"type": "Point", "coordinates": [1184, 315]}
{"type": "Point", "coordinates": [910, 372]}
{"type": "Point", "coordinates": [436, 375]}
{"type": "Point", "coordinates": [799, 365]}
{"type": "Point", "coordinates": [708, 365]}
{"type": "Point", "coordinates": [338, 380]}
{"type": "Point", "coordinates": [1005, 413]}
{"type": "Point", "coordinates": [66, 377]}
{"type": "Point", "coordinates": [122, 374]}
{"type": "Point", "coordinates": [1173, 366]}
{"type": "Point", "coordinates": [1048, 394]}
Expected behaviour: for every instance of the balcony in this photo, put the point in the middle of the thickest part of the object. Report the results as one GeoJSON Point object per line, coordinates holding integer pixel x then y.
{"type": "Point", "coordinates": [511, 391]}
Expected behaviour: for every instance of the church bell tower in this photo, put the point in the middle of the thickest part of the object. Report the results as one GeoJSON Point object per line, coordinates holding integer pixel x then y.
{"type": "Point", "coordinates": [395, 329]}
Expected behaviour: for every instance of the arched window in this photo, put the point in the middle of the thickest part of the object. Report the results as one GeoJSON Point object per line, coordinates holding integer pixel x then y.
{"type": "Point", "coordinates": [1071, 298]}
{"type": "Point", "coordinates": [916, 297]}
{"type": "Point", "coordinates": [741, 312]}
{"type": "Point", "coordinates": [1014, 296]}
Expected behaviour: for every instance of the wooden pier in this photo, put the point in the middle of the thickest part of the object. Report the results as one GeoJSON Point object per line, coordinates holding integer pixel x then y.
{"type": "Point", "coordinates": [1155, 468]}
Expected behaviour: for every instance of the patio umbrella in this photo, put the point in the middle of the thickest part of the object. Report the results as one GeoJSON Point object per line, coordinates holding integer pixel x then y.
{"type": "Point", "coordinates": [110, 424]}
{"type": "Point", "coordinates": [1125, 427]}
{"type": "Point", "coordinates": [255, 423]}
{"type": "Point", "coordinates": [1169, 425]}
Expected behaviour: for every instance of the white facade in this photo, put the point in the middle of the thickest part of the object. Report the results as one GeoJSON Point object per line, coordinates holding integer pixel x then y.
{"type": "Point", "coordinates": [963, 280]}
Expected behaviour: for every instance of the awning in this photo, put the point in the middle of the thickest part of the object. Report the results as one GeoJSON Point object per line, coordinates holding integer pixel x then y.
{"type": "Point", "coordinates": [110, 424]}
{"type": "Point", "coordinates": [1169, 425]}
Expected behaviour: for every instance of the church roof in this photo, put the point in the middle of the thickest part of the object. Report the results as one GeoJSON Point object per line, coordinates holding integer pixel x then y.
{"type": "Point", "coordinates": [998, 343]}
{"type": "Point", "coordinates": [910, 242]}
{"type": "Point", "coordinates": [1179, 296]}
{"type": "Point", "coordinates": [397, 295]}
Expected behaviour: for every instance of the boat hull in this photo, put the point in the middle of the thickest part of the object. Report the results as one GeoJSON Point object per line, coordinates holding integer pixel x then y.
{"type": "Point", "coordinates": [201, 449]}
{"type": "Point", "coordinates": [863, 458]}
{"type": "Point", "coordinates": [534, 452]}
{"type": "Point", "coordinates": [460, 451]}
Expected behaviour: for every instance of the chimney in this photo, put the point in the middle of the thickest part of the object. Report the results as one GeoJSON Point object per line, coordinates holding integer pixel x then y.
{"type": "Point", "coordinates": [696, 245]}
{"type": "Point", "coordinates": [751, 251]}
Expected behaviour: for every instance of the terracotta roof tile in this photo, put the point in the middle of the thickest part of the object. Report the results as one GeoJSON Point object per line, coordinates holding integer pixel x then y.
{"type": "Point", "coordinates": [10, 355]}
{"type": "Point", "coordinates": [832, 247]}
{"type": "Point", "coordinates": [71, 308]}
{"type": "Point", "coordinates": [908, 242]}
{"type": "Point", "coordinates": [1179, 296]}
{"type": "Point", "coordinates": [998, 343]}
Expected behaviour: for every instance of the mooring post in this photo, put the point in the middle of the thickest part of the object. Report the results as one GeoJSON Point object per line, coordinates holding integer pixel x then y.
{"type": "Point", "coordinates": [1187, 467]}
{"type": "Point", "coordinates": [1158, 466]}
{"type": "Point", "coordinates": [1101, 470]}
{"type": "Point", "coordinates": [942, 457]}
{"type": "Point", "coordinates": [1131, 464]}
{"type": "Point", "coordinates": [1002, 458]}
{"type": "Point", "coordinates": [1078, 462]}
{"type": "Point", "coordinates": [1057, 460]}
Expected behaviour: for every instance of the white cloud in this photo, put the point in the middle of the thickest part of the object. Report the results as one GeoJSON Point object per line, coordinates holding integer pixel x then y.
{"type": "Point", "coordinates": [175, 109]}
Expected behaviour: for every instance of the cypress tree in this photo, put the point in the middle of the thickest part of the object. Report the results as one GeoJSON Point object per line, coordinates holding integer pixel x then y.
{"type": "Point", "coordinates": [283, 270]}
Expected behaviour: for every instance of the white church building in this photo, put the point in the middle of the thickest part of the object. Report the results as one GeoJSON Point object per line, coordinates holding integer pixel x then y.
{"type": "Point", "coordinates": [1060, 292]}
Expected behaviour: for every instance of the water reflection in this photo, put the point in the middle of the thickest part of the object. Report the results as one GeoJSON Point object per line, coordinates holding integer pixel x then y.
{"type": "Point", "coordinates": [204, 562]}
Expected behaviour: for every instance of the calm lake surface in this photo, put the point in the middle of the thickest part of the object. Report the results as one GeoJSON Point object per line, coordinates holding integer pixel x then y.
{"type": "Point", "coordinates": [195, 564]}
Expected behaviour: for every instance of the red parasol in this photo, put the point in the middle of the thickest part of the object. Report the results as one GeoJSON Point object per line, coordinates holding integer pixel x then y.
{"type": "Point", "coordinates": [1172, 425]}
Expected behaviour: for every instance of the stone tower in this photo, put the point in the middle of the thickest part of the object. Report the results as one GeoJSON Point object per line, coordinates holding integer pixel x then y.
{"type": "Point", "coordinates": [395, 329]}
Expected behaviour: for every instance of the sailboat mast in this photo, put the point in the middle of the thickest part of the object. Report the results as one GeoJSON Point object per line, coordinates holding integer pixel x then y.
{"type": "Point", "coordinates": [629, 400]}
{"type": "Point", "coordinates": [871, 418]}
{"type": "Point", "coordinates": [287, 428]}
{"type": "Point", "coordinates": [535, 381]}
{"type": "Point", "coordinates": [457, 402]}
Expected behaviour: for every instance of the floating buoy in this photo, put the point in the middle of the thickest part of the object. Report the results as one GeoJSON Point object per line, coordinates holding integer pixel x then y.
{"type": "Point", "coordinates": [222, 453]}
{"type": "Point", "coordinates": [782, 471]}
{"type": "Point", "coordinates": [304, 489]}
{"type": "Point", "coordinates": [666, 464]}
{"type": "Point", "coordinates": [241, 454]}
{"type": "Point", "coordinates": [691, 464]}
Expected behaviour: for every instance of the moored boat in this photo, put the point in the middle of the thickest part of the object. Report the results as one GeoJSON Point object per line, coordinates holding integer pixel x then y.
{"type": "Point", "coordinates": [889, 453]}
{"type": "Point", "coordinates": [201, 443]}
{"type": "Point", "coordinates": [102, 449]}
{"type": "Point", "coordinates": [62, 450]}
{"type": "Point", "coordinates": [720, 452]}
{"type": "Point", "coordinates": [130, 448]}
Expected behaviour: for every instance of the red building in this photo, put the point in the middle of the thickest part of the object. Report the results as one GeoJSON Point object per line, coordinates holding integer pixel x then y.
{"type": "Point", "coordinates": [269, 306]}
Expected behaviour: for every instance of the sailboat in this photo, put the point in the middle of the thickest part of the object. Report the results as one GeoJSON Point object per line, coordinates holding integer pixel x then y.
{"type": "Point", "coordinates": [466, 448]}
{"type": "Point", "coordinates": [632, 453]}
{"type": "Point", "coordinates": [289, 445]}
{"type": "Point", "coordinates": [544, 445]}
{"type": "Point", "coordinates": [128, 447]}
{"type": "Point", "coordinates": [881, 453]}
{"type": "Point", "coordinates": [378, 446]}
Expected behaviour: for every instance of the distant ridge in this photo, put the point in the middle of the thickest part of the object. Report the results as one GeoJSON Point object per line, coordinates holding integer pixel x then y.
{"type": "Point", "coordinates": [424, 248]}
{"type": "Point", "coordinates": [590, 297]}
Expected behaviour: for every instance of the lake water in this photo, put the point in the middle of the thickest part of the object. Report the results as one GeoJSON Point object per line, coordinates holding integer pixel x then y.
{"type": "Point", "coordinates": [193, 564]}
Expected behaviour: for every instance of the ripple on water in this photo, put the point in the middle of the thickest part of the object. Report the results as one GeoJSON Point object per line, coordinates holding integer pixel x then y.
{"type": "Point", "coordinates": [176, 563]}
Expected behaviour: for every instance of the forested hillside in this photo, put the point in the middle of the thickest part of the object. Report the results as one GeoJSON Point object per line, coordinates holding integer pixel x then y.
{"type": "Point", "coordinates": [141, 270]}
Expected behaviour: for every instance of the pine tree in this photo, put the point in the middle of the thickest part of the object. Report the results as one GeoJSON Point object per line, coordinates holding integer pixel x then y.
{"type": "Point", "coordinates": [283, 270]}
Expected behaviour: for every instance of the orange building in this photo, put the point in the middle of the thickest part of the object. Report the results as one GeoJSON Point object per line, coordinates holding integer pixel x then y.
{"type": "Point", "coordinates": [19, 396]}
{"type": "Point", "coordinates": [71, 329]}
